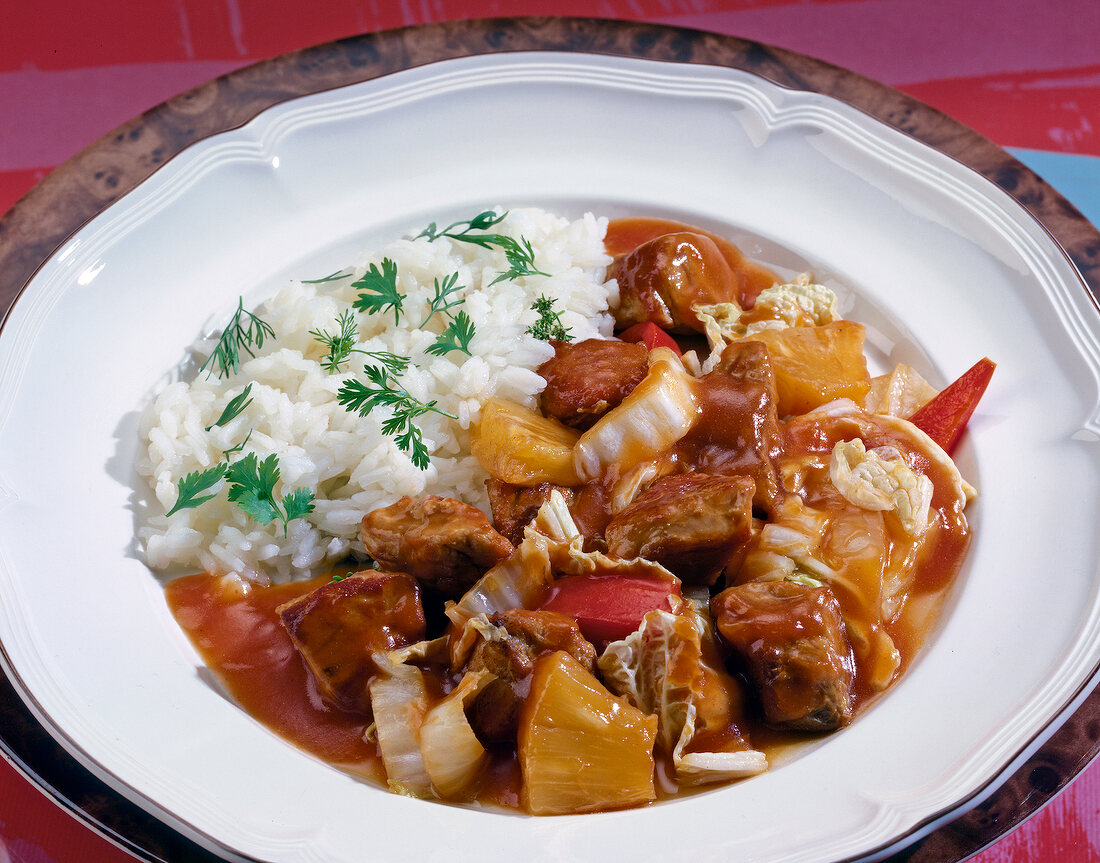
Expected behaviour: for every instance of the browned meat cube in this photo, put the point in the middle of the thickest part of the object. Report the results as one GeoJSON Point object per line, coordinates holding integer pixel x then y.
{"type": "Point", "coordinates": [439, 541]}
{"type": "Point", "coordinates": [584, 380]}
{"type": "Point", "coordinates": [662, 279]}
{"type": "Point", "coordinates": [690, 523]}
{"type": "Point", "coordinates": [514, 506]}
{"type": "Point", "coordinates": [339, 625]}
{"type": "Point", "coordinates": [793, 639]}
{"type": "Point", "coordinates": [738, 428]}
{"type": "Point", "coordinates": [530, 634]}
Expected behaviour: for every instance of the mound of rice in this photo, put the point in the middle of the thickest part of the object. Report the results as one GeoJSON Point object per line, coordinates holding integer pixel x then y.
{"type": "Point", "coordinates": [345, 459]}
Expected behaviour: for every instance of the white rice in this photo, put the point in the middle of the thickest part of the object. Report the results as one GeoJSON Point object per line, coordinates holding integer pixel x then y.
{"type": "Point", "coordinates": [346, 460]}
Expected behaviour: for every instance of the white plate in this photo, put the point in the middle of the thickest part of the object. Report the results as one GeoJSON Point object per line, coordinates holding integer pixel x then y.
{"type": "Point", "coordinates": [942, 265]}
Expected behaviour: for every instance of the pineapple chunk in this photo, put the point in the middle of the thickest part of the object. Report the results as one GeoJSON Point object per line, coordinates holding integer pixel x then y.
{"type": "Point", "coordinates": [519, 446]}
{"type": "Point", "coordinates": [580, 748]}
{"type": "Point", "coordinates": [814, 365]}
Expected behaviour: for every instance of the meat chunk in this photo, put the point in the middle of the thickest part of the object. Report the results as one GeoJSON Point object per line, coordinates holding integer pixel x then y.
{"type": "Point", "coordinates": [439, 541]}
{"type": "Point", "coordinates": [663, 278]}
{"type": "Point", "coordinates": [514, 506]}
{"type": "Point", "coordinates": [524, 636]}
{"type": "Point", "coordinates": [690, 523]}
{"type": "Point", "coordinates": [738, 428]}
{"type": "Point", "coordinates": [584, 380]}
{"type": "Point", "coordinates": [792, 638]}
{"type": "Point", "coordinates": [338, 626]}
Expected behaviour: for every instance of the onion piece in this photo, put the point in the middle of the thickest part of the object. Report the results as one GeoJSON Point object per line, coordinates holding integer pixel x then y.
{"type": "Point", "coordinates": [656, 414]}
{"type": "Point", "coordinates": [452, 754]}
{"type": "Point", "coordinates": [399, 700]}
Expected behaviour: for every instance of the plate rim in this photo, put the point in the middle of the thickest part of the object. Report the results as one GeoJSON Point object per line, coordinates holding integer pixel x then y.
{"type": "Point", "coordinates": [406, 47]}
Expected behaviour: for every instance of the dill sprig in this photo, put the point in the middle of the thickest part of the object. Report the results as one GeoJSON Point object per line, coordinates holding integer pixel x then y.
{"type": "Point", "coordinates": [233, 408]}
{"type": "Point", "coordinates": [340, 345]}
{"type": "Point", "coordinates": [244, 332]}
{"type": "Point", "coordinates": [331, 277]}
{"type": "Point", "coordinates": [384, 391]}
{"type": "Point", "coordinates": [549, 325]}
{"type": "Point", "coordinates": [190, 490]}
{"type": "Point", "coordinates": [519, 254]}
{"type": "Point", "coordinates": [226, 453]}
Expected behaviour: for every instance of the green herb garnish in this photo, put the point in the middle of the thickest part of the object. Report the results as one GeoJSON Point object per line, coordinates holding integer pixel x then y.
{"type": "Point", "coordinates": [394, 364]}
{"type": "Point", "coordinates": [444, 299]}
{"type": "Point", "coordinates": [226, 453]}
{"type": "Point", "coordinates": [233, 408]}
{"type": "Point", "coordinates": [520, 255]}
{"type": "Point", "coordinates": [549, 325]}
{"type": "Point", "coordinates": [331, 277]}
{"type": "Point", "coordinates": [378, 290]}
{"type": "Point", "coordinates": [340, 346]}
{"type": "Point", "coordinates": [362, 398]}
{"type": "Point", "coordinates": [244, 332]}
{"type": "Point", "coordinates": [252, 486]}
{"type": "Point", "coordinates": [194, 484]}
{"type": "Point", "coordinates": [455, 337]}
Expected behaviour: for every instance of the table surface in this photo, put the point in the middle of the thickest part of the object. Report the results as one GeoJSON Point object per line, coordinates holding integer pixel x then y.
{"type": "Point", "coordinates": [1015, 71]}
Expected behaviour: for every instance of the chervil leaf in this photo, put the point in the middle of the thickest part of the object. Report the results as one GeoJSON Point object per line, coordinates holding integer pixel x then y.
{"type": "Point", "coordinates": [384, 391]}
{"type": "Point", "coordinates": [455, 337]}
{"type": "Point", "coordinates": [393, 363]}
{"type": "Point", "coordinates": [444, 298]}
{"type": "Point", "coordinates": [378, 290]}
{"type": "Point", "coordinates": [194, 484]}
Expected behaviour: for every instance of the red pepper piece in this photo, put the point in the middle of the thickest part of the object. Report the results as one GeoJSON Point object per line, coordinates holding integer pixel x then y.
{"type": "Point", "coordinates": [651, 335]}
{"type": "Point", "coordinates": [944, 417]}
{"type": "Point", "coordinates": [610, 607]}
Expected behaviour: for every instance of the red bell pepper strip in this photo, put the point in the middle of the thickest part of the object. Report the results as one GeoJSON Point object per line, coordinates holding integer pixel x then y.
{"type": "Point", "coordinates": [651, 335]}
{"type": "Point", "coordinates": [944, 416]}
{"type": "Point", "coordinates": [610, 607]}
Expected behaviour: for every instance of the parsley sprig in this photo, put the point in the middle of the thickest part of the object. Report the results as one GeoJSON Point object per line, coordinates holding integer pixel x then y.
{"type": "Point", "coordinates": [251, 486]}
{"type": "Point", "coordinates": [244, 332]}
{"type": "Point", "coordinates": [519, 254]}
{"type": "Point", "coordinates": [549, 325]}
{"type": "Point", "coordinates": [378, 290]}
{"type": "Point", "coordinates": [384, 391]}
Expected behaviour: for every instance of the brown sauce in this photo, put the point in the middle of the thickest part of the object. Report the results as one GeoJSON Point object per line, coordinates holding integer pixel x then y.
{"type": "Point", "coordinates": [242, 642]}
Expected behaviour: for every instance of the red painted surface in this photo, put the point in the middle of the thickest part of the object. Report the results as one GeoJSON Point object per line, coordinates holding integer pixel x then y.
{"type": "Point", "coordinates": [1026, 73]}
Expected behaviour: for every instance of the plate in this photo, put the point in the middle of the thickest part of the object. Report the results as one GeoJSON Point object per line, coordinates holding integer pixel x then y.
{"type": "Point", "coordinates": [942, 263]}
